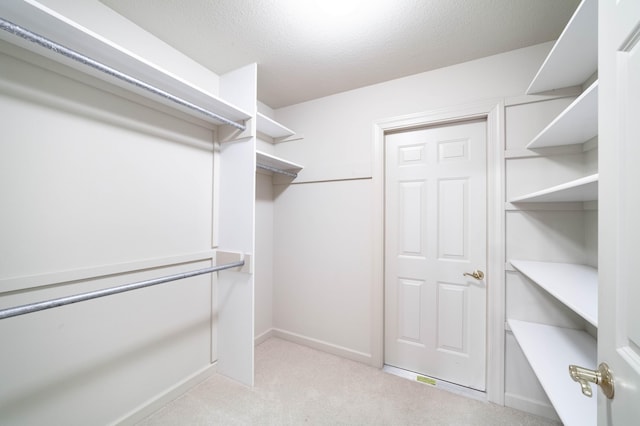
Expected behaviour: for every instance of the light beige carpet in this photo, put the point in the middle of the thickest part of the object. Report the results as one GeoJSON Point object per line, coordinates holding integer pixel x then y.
{"type": "Point", "coordinates": [296, 385]}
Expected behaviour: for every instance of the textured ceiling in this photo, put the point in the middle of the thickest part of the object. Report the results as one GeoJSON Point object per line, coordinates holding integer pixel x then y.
{"type": "Point", "coordinates": [306, 49]}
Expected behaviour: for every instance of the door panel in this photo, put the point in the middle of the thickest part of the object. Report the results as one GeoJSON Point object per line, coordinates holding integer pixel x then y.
{"type": "Point", "coordinates": [452, 219]}
{"type": "Point", "coordinates": [409, 296]}
{"type": "Point", "coordinates": [619, 203]}
{"type": "Point", "coordinates": [435, 230]}
{"type": "Point", "coordinates": [451, 317]}
{"type": "Point", "coordinates": [412, 201]}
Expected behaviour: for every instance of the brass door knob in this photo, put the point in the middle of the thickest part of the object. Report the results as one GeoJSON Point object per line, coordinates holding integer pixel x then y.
{"type": "Point", "coordinates": [601, 377]}
{"type": "Point", "coordinates": [477, 274]}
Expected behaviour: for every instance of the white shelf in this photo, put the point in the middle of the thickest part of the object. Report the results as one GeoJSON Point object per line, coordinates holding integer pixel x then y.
{"type": "Point", "coordinates": [47, 23]}
{"type": "Point", "coordinates": [574, 285]}
{"type": "Point", "coordinates": [550, 350]}
{"type": "Point", "coordinates": [583, 189]}
{"type": "Point", "coordinates": [575, 125]}
{"type": "Point", "coordinates": [574, 56]}
{"type": "Point", "coordinates": [277, 163]}
{"type": "Point", "coordinates": [272, 128]}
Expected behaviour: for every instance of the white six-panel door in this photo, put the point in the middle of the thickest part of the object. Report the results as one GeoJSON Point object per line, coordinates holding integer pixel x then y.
{"type": "Point", "coordinates": [435, 231]}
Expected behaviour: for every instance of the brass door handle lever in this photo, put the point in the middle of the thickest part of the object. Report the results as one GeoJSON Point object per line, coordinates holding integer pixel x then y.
{"type": "Point", "coordinates": [477, 274]}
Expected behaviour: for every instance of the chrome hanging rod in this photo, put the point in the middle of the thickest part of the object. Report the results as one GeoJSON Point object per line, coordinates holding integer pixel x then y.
{"type": "Point", "coordinates": [276, 170]}
{"type": "Point", "coordinates": [32, 37]}
{"type": "Point", "coordinates": [54, 303]}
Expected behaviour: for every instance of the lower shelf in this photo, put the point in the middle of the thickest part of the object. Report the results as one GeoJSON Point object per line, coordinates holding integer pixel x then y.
{"type": "Point", "coordinates": [550, 350]}
{"type": "Point", "coordinates": [277, 165]}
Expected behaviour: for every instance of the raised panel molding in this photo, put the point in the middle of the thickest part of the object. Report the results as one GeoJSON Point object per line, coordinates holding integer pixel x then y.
{"type": "Point", "coordinates": [452, 321]}
{"type": "Point", "coordinates": [453, 204]}
{"type": "Point", "coordinates": [457, 150]}
{"type": "Point", "coordinates": [411, 214]}
{"type": "Point", "coordinates": [409, 321]}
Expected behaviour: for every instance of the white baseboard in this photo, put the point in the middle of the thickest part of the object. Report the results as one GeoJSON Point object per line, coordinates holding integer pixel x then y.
{"type": "Point", "coordinates": [322, 346]}
{"type": "Point", "coordinates": [530, 406]}
{"type": "Point", "coordinates": [159, 401]}
{"type": "Point", "coordinates": [264, 336]}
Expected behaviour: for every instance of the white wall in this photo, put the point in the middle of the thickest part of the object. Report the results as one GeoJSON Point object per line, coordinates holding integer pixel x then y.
{"type": "Point", "coordinates": [322, 264]}
{"type": "Point", "coordinates": [337, 129]}
{"type": "Point", "coordinates": [264, 240]}
{"type": "Point", "coordinates": [324, 230]}
{"type": "Point", "coordinates": [264, 255]}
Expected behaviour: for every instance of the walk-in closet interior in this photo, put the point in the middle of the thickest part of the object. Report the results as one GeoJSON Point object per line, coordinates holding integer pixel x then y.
{"type": "Point", "coordinates": [159, 220]}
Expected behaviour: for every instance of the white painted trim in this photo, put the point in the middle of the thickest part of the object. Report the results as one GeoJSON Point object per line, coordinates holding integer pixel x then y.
{"type": "Point", "coordinates": [496, 315]}
{"type": "Point", "coordinates": [160, 400]}
{"type": "Point", "coordinates": [323, 346]}
{"type": "Point", "coordinates": [264, 337]}
{"type": "Point", "coordinates": [493, 112]}
{"type": "Point", "coordinates": [97, 272]}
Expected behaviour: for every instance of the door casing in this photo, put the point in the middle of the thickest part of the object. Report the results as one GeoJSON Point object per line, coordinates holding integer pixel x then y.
{"type": "Point", "coordinates": [493, 112]}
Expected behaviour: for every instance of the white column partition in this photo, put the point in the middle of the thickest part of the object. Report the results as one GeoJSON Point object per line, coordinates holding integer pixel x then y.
{"type": "Point", "coordinates": [235, 184]}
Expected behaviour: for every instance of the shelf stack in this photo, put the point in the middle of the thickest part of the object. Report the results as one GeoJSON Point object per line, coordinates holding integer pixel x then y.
{"type": "Point", "coordinates": [551, 349]}
{"type": "Point", "coordinates": [274, 132]}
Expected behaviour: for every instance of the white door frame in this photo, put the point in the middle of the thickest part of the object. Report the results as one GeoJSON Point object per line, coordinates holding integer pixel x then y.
{"type": "Point", "coordinates": [493, 112]}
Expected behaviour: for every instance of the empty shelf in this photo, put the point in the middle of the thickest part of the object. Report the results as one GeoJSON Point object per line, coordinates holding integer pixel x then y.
{"type": "Point", "coordinates": [574, 285]}
{"type": "Point", "coordinates": [577, 124]}
{"type": "Point", "coordinates": [583, 189]}
{"type": "Point", "coordinates": [272, 128]}
{"type": "Point", "coordinates": [550, 350]}
{"type": "Point", "coordinates": [275, 165]}
{"type": "Point", "coordinates": [574, 56]}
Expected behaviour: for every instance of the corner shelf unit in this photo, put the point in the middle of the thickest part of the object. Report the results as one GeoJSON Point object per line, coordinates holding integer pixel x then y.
{"type": "Point", "coordinates": [550, 350]}
{"type": "Point", "coordinates": [574, 57]}
{"type": "Point", "coordinates": [575, 125]}
{"type": "Point", "coordinates": [574, 285]}
{"type": "Point", "coordinates": [583, 189]}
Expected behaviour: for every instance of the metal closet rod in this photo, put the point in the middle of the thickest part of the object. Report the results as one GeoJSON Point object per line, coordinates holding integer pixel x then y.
{"type": "Point", "coordinates": [54, 303]}
{"type": "Point", "coordinates": [32, 37]}
{"type": "Point", "coordinates": [276, 170]}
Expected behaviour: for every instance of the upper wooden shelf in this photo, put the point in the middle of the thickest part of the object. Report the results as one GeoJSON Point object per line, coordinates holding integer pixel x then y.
{"type": "Point", "coordinates": [273, 129]}
{"type": "Point", "coordinates": [574, 285]}
{"type": "Point", "coordinates": [583, 189]}
{"type": "Point", "coordinates": [577, 124]}
{"type": "Point", "coordinates": [550, 350]}
{"type": "Point", "coordinates": [113, 63]}
{"type": "Point", "coordinates": [574, 56]}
